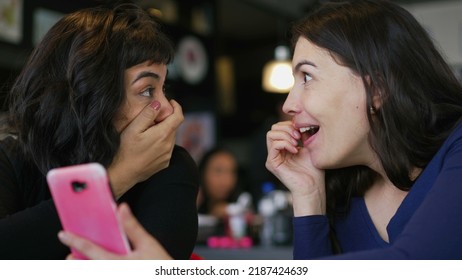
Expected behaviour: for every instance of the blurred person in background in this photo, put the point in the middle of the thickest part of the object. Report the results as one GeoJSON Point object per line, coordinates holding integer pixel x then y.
{"type": "Point", "coordinates": [218, 171]}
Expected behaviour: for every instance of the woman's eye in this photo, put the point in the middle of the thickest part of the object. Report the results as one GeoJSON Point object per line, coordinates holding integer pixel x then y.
{"type": "Point", "coordinates": [307, 77]}
{"type": "Point", "coordinates": [147, 92]}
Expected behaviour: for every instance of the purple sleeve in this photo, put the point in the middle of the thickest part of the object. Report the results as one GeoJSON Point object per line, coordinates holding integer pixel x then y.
{"type": "Point", "coordinates": [435, 229]}
{"type": "Point", "coordinates": [311, 237]}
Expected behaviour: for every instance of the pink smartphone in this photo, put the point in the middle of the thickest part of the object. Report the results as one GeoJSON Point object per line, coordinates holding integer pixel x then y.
{"type": "Point", "coordinates": [86, 206]}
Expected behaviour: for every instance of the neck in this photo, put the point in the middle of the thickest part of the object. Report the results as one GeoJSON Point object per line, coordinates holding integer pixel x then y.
{"type": "Point", "coordinates": [382, 201]}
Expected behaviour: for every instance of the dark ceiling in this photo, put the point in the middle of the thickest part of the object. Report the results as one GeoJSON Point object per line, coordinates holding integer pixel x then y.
{"type": "Point", "coordinates": [262, 19]}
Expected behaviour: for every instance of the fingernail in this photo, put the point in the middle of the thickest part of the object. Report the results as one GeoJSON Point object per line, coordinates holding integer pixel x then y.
{"type": "Point", "coordinates": [125, 209]}
{"type": "Point", "coordinates": [62, 236]}
{"type": "Point", "coordinates": [155, 105]}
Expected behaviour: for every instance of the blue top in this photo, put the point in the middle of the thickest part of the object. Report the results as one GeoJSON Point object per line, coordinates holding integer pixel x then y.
{"type": "Point", "coordinates": [427, 225]}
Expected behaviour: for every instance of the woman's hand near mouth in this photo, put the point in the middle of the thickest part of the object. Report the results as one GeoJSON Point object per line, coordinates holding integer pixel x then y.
{"type": "Point", "coordinates": [293, 167]}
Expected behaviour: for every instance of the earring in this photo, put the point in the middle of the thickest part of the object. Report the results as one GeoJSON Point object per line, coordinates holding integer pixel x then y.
{"type": "Point", "coordinates": [372, 110]}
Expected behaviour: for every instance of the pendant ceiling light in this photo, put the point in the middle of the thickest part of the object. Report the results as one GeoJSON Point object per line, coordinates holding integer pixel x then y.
{"type": "Point", "coordinates": [277, 73]}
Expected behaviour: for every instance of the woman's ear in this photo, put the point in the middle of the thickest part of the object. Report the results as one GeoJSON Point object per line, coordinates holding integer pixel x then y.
{"type": "Point", "coordinates": [376, 100]}
{"type": "Point", "coordinates": [377, 95]}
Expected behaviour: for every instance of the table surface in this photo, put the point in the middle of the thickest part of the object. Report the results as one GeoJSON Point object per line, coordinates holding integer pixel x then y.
{"type": "Point", "coordinates": [253, 253]}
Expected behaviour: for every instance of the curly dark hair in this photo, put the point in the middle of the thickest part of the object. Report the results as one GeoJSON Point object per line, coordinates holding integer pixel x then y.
{"type": "Point", "coordinates": [421, 99]}
{"type": "Point", "coordinates": [64, 101]}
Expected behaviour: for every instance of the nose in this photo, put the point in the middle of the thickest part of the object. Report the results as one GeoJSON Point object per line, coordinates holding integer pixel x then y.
{"type": "Point", "coordinates": [166, 109]}
{"type": "Point", "coordinates": [291, 105]}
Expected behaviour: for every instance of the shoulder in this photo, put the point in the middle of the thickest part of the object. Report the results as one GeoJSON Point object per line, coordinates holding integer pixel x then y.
{"type": "Point", "coordinates": [12, 187]}
{"type": "Point", "coordinates": [454, 141]}
{"type": "Point", "coordinates": [450, 153]}
{"type": "Point", "coordinates": [13, 163]}
{"type": "Point", "coordinates": [181, 157]}
{"type": "Point", "coordinates": [457, 132]}
{"type": "Point", "coordinates": [180, 154]}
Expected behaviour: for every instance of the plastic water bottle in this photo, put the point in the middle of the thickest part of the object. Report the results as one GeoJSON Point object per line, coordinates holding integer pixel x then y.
{"type": "Point", "coordinates": [237, 215]}
{"type": "Point", "coordinates": [267, 209]}
{"type": "Point", "coordinates": [282, 219]}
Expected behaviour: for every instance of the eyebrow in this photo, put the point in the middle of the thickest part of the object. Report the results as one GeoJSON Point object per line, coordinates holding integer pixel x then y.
{"type": "Point", "coordinates": [304, 62]}
{"type": "Point", "coordinates": [145, 74]}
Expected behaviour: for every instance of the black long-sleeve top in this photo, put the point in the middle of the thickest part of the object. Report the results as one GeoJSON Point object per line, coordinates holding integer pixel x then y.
{"type": "Point", "coordinates": [165, 205]}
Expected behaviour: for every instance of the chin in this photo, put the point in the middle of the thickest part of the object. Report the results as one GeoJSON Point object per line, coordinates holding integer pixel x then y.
{"type": "Point", "coordinates": [322, 163]}
{"type": "Point", "coordinates": [317, 162]}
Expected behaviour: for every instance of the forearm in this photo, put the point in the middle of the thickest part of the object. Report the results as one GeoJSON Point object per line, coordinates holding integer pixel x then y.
{"type": "Point", "coordinates": [167, 212]}
{"type": "Point", "coordinates": [120, 181]}
{"type": "Point", "coordinates": [311, 237]}
{"type": "Point", "coordinates": [165, 205]}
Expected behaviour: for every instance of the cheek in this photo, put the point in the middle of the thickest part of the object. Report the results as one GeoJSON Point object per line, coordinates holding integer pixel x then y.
{"type": "Point", "coordinates": [125, 116]}
{"type": "Point", "coordinates": [120, 121]}
{"type": "Point", "coordinates": [348, 127]}
{"type": "Point", "coordinates": [345, 145]}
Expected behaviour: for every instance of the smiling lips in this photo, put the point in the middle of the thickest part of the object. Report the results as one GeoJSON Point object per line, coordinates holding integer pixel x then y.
{"type": "Point", "coordinates": [307, 132]}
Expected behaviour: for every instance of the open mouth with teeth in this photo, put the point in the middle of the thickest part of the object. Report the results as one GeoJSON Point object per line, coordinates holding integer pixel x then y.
{"type": "Point", "coordinates": [308, 131]}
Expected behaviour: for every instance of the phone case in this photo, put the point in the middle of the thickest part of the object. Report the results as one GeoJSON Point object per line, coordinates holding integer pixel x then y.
{"type": "Point", "coordinates": [86, 206]}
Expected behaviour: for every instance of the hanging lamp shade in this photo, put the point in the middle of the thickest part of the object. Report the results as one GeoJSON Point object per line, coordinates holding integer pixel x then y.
{"type": "Point", "coordinates": [277, 74]}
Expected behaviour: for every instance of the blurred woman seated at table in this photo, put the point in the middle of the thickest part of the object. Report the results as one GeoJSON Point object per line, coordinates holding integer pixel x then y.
{"type": "Point", "coordinates": [218, 170]}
